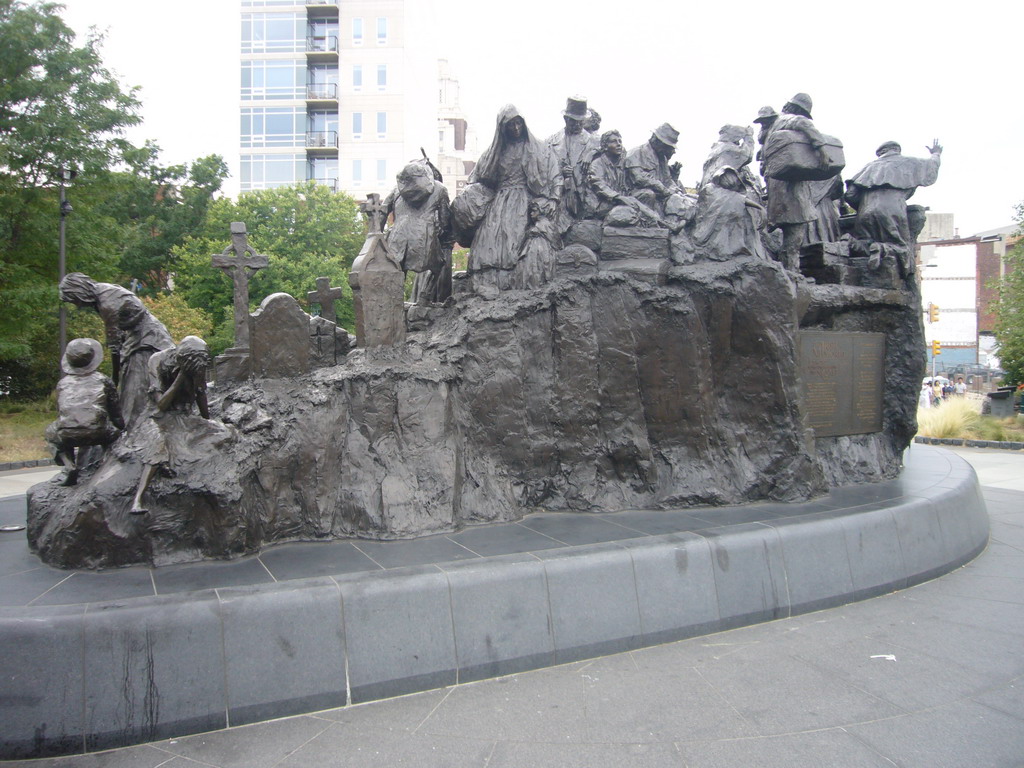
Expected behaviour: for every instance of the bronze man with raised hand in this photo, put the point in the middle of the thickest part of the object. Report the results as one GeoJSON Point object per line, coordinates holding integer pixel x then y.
{"type": "Point", "coordinates": [879, 193]}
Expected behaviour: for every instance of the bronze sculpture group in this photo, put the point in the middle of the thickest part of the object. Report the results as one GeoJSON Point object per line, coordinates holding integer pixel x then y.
{"type": "Point", "coordinates": [525, 193]}
{"type": "Point", "coordinates": [531, 209]}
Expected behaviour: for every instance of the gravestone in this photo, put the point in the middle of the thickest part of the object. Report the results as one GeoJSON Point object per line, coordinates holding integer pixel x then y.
{"type": "Point", "coordinates": [280, 338]}
{"type": "Point", "coordinates": [378, 286]}
{"type": "Point", "coordinates": [325, 296]}
{"type": "Point", "coordinates": [329, 342]}
{"type": "Point", "coordinates": [238, 260]}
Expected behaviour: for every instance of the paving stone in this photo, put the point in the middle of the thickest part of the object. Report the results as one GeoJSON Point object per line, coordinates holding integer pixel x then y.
{"type": "Point", "coordinates": [645, 755]}
{"type": "Point", "coordinates": [197, 576]}
{"type": "Point", "coordinates": [262, 745]}
{"type": "Point", "coordinates": [962, 735]}
{"type": "Point", "coordinates": [545, 706]}
{"type": "Point", "coordinates": [432, 549]}
{"type": "Point", "coordinates": [84, 587]}
{"type": "Point", "coordinates": [798, 750]}
{"type": "Point", "coordinates": [371, 749]}
{"type": "Point", "coordinates": [812, 699]}
{"type": "Point", "coordinates": [660, 714]}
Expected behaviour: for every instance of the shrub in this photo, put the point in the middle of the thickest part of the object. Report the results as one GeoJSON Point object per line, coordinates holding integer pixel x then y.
{"type": "Point", "coordinates": [953, 418]}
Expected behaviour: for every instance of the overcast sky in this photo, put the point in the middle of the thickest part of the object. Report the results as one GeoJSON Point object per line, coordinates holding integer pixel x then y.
{"type": "Point", "coordinates": [908, 71]}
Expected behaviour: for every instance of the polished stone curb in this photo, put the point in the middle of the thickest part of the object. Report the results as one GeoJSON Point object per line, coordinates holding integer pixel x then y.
{"type": "Point", "coordinates": [26, 464]}
{"type": "Point", "coordinates": [101, 675]}
{"type": "Point", "coordinates": [1006, 445]}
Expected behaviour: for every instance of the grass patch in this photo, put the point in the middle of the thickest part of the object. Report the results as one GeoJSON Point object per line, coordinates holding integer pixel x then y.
{"type": "Point", "coordinates": [961, 418]}
{"type": "Point", "coordinates": [21, 429]}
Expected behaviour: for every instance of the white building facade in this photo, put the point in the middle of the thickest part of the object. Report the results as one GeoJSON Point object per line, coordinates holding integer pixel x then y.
{"type": "Point", "coordinates": [343, 93]}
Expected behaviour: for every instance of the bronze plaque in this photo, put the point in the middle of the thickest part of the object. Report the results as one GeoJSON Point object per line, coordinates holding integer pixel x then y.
{"type": "Point", "coordinates": [842, 376]}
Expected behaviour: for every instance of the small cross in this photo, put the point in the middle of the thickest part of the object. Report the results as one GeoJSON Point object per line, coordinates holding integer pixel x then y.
{"type": "Point", "coordinates": [374, 212]}
{"type": "Point", "coordinates": [238, 267]}
{"type": "Point", "coordinates": [325, 296]}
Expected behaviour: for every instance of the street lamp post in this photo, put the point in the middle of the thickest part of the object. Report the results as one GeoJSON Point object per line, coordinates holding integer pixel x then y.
{"type": "Point", "coordinates": [65, 209]}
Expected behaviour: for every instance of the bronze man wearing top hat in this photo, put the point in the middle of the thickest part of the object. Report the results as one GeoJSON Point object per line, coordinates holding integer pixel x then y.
{"type": "Point", "coordinates": [573, 149]}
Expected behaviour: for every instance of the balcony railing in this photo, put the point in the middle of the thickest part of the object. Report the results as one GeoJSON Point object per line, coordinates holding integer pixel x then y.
{"type": "Point", "coordinates": [321, 139]}
{"type": "Point", "coordinates": [322, 92]}
{"type": "Point", "coordinates": [322, 44]}
{"type": "Point", "coordinates": [331, 184]}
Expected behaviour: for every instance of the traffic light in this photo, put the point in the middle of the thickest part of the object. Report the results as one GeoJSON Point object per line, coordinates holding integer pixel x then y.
{"type": "Point", "coordinates": [936, 348]}
{"type": "Point", "coordinates": [933, 313]}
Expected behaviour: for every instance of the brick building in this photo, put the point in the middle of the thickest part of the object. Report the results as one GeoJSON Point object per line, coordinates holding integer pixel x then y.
{"type": "Point", "coordinates": [959, 276]}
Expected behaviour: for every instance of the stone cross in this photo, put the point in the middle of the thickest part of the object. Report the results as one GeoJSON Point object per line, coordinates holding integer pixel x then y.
{"type": "Point", "coordinates": [325, 296]}
{"type": "Point", "coordinates": [374, 212]}
{"type": "Point", "coordinates": [238, 266]}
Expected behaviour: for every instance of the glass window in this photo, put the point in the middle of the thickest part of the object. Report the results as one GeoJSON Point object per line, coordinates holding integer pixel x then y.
{"type": "Point", "coordinates": [323, 73]}
{"type": "Point", "coordinates": [382, 170]}
{"type": "Point", "coordinates": [262, 80]}
{"type": "Point", "coordinates": [382, 75]}
{"type": "Point", "coordinates": [357, 76]}
{"type": "Point", "coordinates": [357, 171]}
{"type": "Point", "coordinates": [265, 171]}
{"type": "Point", "coordinates": [382, 122]}
{"type": "Point", "coordinates": [323, 35]}
{"type": "Point", "coordinates": [324, 170]}
{"type": "Point", "coordinates": [272, 127]}
{"type": "Point", "coordinates": [323, 82]}
{"type": "Point", "coordinates": [382, 30]}
{"type": "Point", "coordinates": [273, 32]}
{"type": "Point", "coordinates": [357, 31]}
{"type": "Point", "coordinates": [357, 123]}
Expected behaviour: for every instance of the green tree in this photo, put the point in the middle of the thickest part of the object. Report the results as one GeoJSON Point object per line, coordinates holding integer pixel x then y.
{"type": "Point", "coordinates": [306, 232]}
{"type": "Point", "coordinates": [61, 109]}
{"type": "Point", "coordinates": [159, 206]}
{"type": "Point", "coordinates": [1010, 310]}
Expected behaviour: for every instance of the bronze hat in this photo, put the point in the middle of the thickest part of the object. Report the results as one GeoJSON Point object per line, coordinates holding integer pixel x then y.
{"type": "Point", "coordinates": [81, 357]}
{"type": "Point", "coordinates": [803, 101]}
{"type": "Point", "coordinates": [576, 108]}
{"type": "Point", "coordinates": [666, 134]}
{"type": "Point", "coordinates": [764, 114]}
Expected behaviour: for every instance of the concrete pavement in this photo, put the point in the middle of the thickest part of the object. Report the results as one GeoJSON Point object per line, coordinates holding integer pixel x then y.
{"type": "Point", "coordinates": [930, 677]}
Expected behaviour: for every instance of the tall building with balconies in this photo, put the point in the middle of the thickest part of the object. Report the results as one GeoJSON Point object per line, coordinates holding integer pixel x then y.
{"type": "Point", "coordinates": [342, 93]}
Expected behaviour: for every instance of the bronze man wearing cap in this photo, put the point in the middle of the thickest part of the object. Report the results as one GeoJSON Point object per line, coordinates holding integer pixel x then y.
{"type": "Point", "coordinates": [87, 408]}
{"type": "Point", "coordinates": [647, 170]}
{"type": "Point", "coordinates": [790, 206]}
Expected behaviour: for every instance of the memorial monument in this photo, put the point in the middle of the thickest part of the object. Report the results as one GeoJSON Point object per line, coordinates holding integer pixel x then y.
{"type": "Point", "coordinates": [617, 342]}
